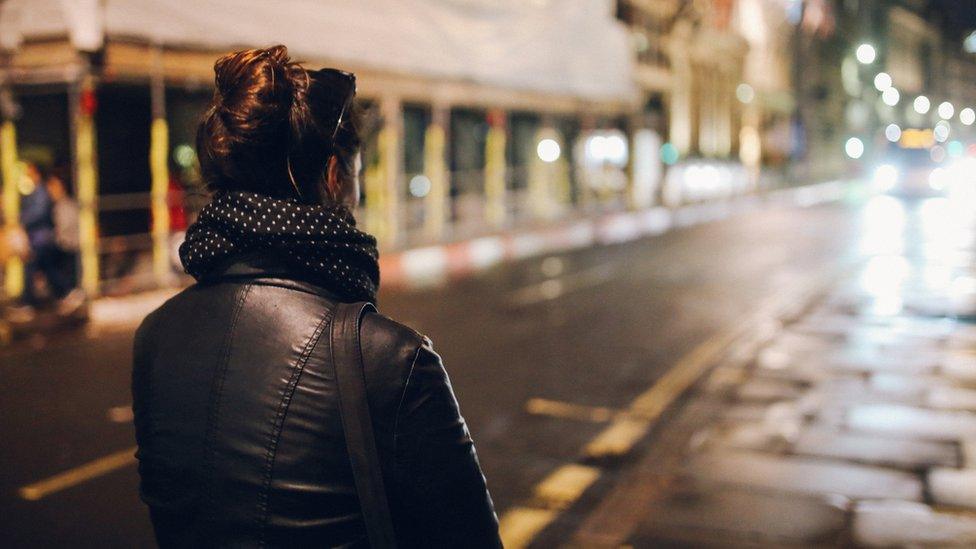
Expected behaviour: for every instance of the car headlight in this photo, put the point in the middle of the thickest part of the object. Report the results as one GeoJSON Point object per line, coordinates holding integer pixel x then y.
{"type": "Point", "coordinates": [885, 177]}
{"type": "Point", "coordinates": [938, 178]}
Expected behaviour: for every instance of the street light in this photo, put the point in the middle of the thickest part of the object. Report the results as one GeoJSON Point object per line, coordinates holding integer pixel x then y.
{"type": "Point", "coordinates": [893, 133]}
{"type": "Point", "coordinates": [890, 97]}
{"type": "Point", "coordinates": [946, 110]}
{"type": "Point", "coordinates": [745, 93]}
{"type": "Point", "coordinates": [922, 104]}
{"type": "Point", "coordinates": [882, 81]}
{"type": "Point", "coordinates": [548, 150]}
{"type": "Point", "coordinates": [866, 54]}
{"type": "Point", "coordinates": [854, 148]}
{"type": "Point", "coordinates": [967, 116]}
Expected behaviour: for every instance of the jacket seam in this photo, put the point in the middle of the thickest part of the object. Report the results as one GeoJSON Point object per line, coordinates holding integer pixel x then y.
{"type": "Point", "coordinates": [216, 391]}
{"type": "Point", "coordinates": [279, 420]}
{"type": "Point", "coordinates": [403, 396]}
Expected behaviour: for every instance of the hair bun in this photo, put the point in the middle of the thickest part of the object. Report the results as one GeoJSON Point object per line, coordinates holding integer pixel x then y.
{"type": "Point", "coordinates": [256, 90]}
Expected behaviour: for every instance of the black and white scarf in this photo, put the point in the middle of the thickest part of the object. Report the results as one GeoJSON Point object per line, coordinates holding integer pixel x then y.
{"type": "Point", "coordinates": [319, 242]}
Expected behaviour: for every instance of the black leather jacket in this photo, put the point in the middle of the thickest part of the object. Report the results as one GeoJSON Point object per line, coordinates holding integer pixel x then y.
{"type": "Point", "coordinates": [239, 434]}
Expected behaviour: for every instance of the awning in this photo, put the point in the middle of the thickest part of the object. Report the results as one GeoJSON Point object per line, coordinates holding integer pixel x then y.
{"type": "Point", "coordinates": [572, 47]}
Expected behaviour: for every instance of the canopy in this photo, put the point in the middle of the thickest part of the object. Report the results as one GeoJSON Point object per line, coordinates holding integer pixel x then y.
{"type": "Point", "coordinates": [573, 47]}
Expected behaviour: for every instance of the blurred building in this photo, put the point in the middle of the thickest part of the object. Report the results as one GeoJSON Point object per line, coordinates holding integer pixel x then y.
{"type": "Point", "coordinates": [486, 115]}
{"type": "Point", "coordinates": [482, 109]}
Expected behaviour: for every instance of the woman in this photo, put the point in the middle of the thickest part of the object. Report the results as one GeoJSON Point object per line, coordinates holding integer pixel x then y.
{"type": "Point", "coordinates": [238, 421]}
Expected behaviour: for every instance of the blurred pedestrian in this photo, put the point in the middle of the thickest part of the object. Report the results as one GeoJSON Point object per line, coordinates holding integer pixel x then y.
{"type": "Point", "coordinates": [273, 405]}
{"type": "Point", "coordinates": [64, 213]}
{"type": "Point", "coordinates": [45, 262]}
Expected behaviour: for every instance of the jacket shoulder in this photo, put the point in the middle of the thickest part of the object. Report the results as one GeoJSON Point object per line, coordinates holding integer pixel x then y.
{"type": "Point", "coordinates": [386, 341]}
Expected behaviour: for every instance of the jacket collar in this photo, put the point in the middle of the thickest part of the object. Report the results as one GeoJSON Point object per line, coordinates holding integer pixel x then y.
{"type": "Point", "coordinates": [270, 270]}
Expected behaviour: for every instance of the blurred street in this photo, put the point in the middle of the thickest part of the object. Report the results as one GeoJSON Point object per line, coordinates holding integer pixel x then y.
{"type": "Point", "coordinates": [830, 380]}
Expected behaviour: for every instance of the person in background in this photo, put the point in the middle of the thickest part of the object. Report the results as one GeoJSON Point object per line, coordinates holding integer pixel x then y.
{"type": "Point", "coordinates": [36, 217]}
{"type": "Point", "coordinates": [64, 212]}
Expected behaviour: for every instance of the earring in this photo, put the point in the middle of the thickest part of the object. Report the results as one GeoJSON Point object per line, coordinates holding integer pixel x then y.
{"type": "Point", "coordinates": [291, 177]}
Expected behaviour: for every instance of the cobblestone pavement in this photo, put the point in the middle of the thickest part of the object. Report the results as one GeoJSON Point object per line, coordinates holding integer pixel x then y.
{"type": "Point", "coordinates": [852, 423]}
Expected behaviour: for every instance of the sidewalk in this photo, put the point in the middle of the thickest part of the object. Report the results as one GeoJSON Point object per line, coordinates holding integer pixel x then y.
{"type": "Point", "coordinates": [851, 424]}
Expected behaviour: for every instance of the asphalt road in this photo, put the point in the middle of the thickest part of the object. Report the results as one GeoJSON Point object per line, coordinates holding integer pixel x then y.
{"type": "Point", "coordinates": [591, 329]}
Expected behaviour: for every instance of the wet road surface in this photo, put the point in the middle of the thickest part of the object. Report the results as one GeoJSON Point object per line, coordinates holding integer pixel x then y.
{"type": "Point", "coordinates": [544, 355]}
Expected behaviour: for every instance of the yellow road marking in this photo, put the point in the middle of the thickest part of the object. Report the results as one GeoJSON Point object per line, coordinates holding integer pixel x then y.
{"type": "Point", "coordinates": [565, 485]}
{"type": "Point", "coordinates": [78, 475]}
{"type": "Point", "coordinates": [618, 438]}
{"type": "Point", "coordinates": [568, 410]}
{"type": "Point", "coordinates": [520, 525]}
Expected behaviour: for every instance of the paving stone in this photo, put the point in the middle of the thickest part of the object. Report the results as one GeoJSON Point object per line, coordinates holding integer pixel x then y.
{"type": "Point", "coordinates": [953, 486]}
{"type": "Point", "coordinates": [902, 386]}
{"type": "Point", "coordinates": [912, 422]}
{"type": "Point", "coordinates": [852, 328]}
{"type": "Point", "coordinates": [804, 475]}
{"type": "Point", "coordinates": [750, 436]}
{"type": "Point", "coordinates": [874, 361]}
{"type": "Point", "coordinates": [766, 389]}
{"type": "Point", "coordinates": [874, 450]}
{"type": "Point", "coordinates": [910, 524]}
{"type": "Point", "coordinates": [774, 366]}
{"type": "Point", "coordinates": [968, 451]}
{"type": "Point", "coordinates": [953, 398]}
{"type": "Point", "coordinates": [745, 412]}
{"type": "Point", "coordinates": [729, 517]}
{"type": "Point", "coordinates": [963, 337]}
{"type": "Point", "coordinates": [960, 365]}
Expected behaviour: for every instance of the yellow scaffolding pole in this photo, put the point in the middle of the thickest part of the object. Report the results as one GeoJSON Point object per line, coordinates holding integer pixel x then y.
{"type": "Point", "coordinates": [159, 170]}
{"type": "Point", "coordinates": [495, 171]}
{"type": "Point", "coordinates": [87, 190]}
{"type": "Point", "coordinates": [158, 151]}
{"type": "Point", "coordinates": [375, 222]}
{"type": "Point", "coordinates": [435, 168]}
{"type": "Point", "coordinates": [14, 266]}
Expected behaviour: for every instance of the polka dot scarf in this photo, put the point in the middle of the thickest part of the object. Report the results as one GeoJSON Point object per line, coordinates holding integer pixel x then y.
{"type": "Point", "coordinates": [319, 242]}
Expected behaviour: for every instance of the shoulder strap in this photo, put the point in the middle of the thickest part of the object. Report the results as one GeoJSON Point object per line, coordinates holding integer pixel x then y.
{"type": "Point", "coordinates": [357, 424]}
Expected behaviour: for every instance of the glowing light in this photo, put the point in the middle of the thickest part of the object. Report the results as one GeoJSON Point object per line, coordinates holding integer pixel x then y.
{"type": "Point", "coordinates": [745, 93]}
{"type": "Point", "coordinates": [866, 54]}
{"type": "Point", "coordinates": [941, 131]}
{"type": "Point", "coordinates": [922, 104]}
{"type": "Point", "coordinates": [882, 81]}
{"type": "Point", "coordinates": [967, 116]}
{"type": "Point", "coordinates": [893, 133]}
{"type": "Point", "coordinates": [969, 43]}
{"type": "Point", "coordinates": [669, 154]}
{"type": "Point", "coordinates": [608, 146]}
{"type": "Point", "coordinates": [955, 148]}
{"type": "Point", "coordinates": [946, 110]}
{"type": "Point", "coordinates": [548, 150]}
{"type": "Point", "coordinates": [938, 178]}
{"type": "Point", "coordinates": [419, 185]}
{"type": "Point", "coordinates": [937, 154]}
{"type": "Point", "coordinates": [184, 155]}
{"type": "Point", "coordinates": [890, 97]}
{"type": "Point", "coordinates": [616, 149]}
{"type": "Point", "coordinates": [854, 148]}
{"type": "Point", "coordinates": [885, 177]}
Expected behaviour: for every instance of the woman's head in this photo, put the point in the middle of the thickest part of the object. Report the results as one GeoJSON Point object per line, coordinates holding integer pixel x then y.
{"type": "Point", "coordinates": [272, 129]}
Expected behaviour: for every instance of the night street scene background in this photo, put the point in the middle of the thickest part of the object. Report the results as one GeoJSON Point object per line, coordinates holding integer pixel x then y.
{"type": "Point", "coordinates": [702, 272]}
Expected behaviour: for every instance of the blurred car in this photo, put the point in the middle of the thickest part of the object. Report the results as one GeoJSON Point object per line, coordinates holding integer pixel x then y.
{"type": "Point", "coordinates": [909, 171]}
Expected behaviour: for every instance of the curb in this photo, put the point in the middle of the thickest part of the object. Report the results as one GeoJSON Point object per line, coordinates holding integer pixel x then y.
{"type": "Point", "coordinates": [431, 265]}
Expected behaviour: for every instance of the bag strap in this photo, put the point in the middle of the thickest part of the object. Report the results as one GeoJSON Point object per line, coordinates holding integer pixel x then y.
{"type": "Point", "coordinates": [357, 424]}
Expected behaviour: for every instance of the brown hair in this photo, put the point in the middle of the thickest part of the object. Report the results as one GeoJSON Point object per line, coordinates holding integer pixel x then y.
{"type": "Point", "coordinates": [260, 133]}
